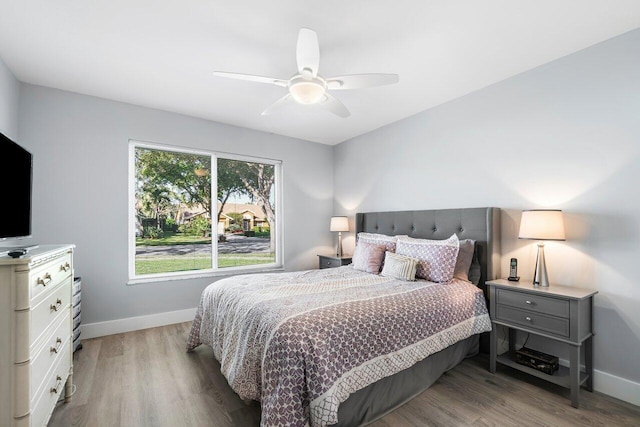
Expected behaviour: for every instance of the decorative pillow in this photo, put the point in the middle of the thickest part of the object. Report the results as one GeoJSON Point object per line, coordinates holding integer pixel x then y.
{"type": "Point", "coordinates": [399, 267]}
{"type": "Point", "coordinates": [436, 258]}
{"type": "Point", "coordinates": [465, 257]}
{"type": "Point", "coordinates": [388, 241]}
{"type": "Point", "coordinates": [368, 257]}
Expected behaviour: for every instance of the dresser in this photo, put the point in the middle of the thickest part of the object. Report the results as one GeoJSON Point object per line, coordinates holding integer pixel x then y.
{"type": "Point", "coordinates": [561, 313]}
{"type": "Point", "coordinates": [36, 354]}
{"type": "Point", "coordinates": [332, 261]}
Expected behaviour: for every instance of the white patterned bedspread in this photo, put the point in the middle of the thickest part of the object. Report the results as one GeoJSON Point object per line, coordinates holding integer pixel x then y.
{"type": "Point", "coordinates": [302, 342]}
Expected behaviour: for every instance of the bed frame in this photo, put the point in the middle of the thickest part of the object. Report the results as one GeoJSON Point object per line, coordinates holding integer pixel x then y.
{"type": "Point", "coordinates": [482, 225]}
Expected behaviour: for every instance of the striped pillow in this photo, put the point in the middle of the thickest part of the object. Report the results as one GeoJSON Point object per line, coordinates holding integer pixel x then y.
{"type": "Point", "coordinates": [399, 267]}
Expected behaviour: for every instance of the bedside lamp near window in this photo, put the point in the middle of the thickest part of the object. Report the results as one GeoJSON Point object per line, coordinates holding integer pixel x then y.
{"type": "Point", "coordinates": [339, 224]}
{"type": "Point", "coordinates": [541, 224]}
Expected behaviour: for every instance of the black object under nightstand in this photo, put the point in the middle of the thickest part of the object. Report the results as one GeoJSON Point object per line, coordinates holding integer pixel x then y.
{"type": "Point", "coordinates": [332, 261]}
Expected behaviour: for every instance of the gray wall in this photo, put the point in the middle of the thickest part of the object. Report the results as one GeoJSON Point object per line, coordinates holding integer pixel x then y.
{"type": "Point", "coordinates": [9, 101]}
{"type": "Point", "coordinates": [565, 135]}
{"type": "Point", "coordinates": [80, 148]}
{"type": "Point", "coordinates": [9, 95]}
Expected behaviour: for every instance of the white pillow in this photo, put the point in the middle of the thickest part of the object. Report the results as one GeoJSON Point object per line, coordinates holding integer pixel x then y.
{"type": "Point", "coordinates": [399, 267]}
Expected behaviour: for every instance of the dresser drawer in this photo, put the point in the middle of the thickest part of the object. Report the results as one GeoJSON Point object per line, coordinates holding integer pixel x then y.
{"type": "Point", "coordinates": [50, 274]}
{"type": "Point", "coordinates": [52, 388]}
{"type": "Point", "coordinates": [532, 320]}
{"type": "Point", "coordinates": [535, 303]}
{"type": "Point", "coordinates": [54, 305]}
{"type": "Point", "coordinates": [56, 346]}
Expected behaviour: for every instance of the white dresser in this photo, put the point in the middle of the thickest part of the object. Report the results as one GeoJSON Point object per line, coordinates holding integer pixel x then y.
{"type": "Point", "coordinates": [36, 354]}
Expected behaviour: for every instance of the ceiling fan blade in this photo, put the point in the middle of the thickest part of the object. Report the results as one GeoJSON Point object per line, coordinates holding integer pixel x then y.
{"type": "Point", "coordinates": [308, 52]}
{"type": "Point", "coordinates": [357, 81]}
{"type": "Point", "coordinates": [278, 104]}
{"type": "Point", "coordinates": [333, 105]}
{"type": "Point", "coordinates": [252, 78]}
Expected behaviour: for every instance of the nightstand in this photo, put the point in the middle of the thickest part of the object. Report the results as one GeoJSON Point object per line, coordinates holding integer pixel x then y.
{"type": "Point", "coordinates": [561, 313]}
{"type": "Point", "coordinates": [332, 261]}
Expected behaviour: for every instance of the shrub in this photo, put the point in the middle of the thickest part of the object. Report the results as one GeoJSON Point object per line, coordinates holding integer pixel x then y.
{"type": "Point", "coordinates": [170, 225]}
{"type": "Point", "coordinates": [196, 227]}
{"type": "Point", "coordinates": [234, 228]}
{"type": "Point", "coordinates": [152, 232]}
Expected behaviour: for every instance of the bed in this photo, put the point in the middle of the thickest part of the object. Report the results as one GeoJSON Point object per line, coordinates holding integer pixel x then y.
{"type": "Point", "coordinates": [342, 346]}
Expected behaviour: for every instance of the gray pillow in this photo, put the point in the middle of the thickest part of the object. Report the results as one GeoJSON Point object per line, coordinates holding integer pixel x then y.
{"type": "Point", "coordinates": [464, 260]}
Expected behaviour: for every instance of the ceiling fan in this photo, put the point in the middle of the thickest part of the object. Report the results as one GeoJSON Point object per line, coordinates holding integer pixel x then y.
{"type": "Point", "coordinates": [307, 86]}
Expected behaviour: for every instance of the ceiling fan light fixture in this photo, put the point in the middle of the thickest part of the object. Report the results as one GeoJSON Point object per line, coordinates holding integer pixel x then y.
{"type": "Point", "coordinates": [307, 91]}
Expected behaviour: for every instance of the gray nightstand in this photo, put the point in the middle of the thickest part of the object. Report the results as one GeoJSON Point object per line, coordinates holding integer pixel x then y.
{"type": "Point", "coordinates": [561, 313]}
{"type": "Point", "coordinates": [332, 261]}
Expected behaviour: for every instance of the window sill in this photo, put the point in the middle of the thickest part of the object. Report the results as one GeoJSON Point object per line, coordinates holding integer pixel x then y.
{"type": "Point", "coordinates": [227, 272]}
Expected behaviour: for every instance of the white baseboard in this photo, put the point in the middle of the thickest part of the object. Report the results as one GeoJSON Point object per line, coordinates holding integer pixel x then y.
{"type": "Point", "coordinates": [100, 329]}
{"type": "Point", "coordinates": [620, 388]}
{"type": "Point", "coordinates": [611, 385]}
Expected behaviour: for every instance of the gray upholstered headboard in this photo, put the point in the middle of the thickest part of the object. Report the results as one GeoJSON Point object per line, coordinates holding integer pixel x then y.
{"type": "Point", "coordinates": [480, 224]}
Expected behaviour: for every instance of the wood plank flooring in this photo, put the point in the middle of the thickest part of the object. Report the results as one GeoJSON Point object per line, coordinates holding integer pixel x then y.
{"type": "Point", "coordinates": [146, 378]}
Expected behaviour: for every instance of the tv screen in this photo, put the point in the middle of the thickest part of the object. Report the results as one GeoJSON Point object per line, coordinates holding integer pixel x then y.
{"type": "Point", "coordinates": [15, 175]}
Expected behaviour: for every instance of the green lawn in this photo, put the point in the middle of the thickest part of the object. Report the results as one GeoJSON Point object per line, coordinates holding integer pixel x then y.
{"type": "Point", "coordinates": [166, 264]}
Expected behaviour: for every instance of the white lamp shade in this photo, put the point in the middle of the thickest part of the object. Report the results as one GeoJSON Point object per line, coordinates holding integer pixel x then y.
{"type": "Point", "coordinates": [542, 225]}
{"type": "Point", "coordinates": [339, 223]}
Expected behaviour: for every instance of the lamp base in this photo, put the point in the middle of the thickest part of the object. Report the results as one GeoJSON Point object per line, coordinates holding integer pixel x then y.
{"type": "Point", "coordinates": [540, 277]}
{"type": "Point", "coordinates": [339, 247]}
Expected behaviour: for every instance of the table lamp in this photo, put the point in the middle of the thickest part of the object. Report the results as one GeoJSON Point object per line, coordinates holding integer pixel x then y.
{"type": "Point", "coordinates": [339, 224]}
{"type": "Point", "coordinates": [541, 224]}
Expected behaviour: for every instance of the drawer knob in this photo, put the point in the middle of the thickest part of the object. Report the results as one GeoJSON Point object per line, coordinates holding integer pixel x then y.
{"type": "Point", "coordinates": [528, 302]}
{"type": "Point", "coordinates": [65, 267]}
{"type": "Point", "coordinates": [57, 305]}
{"type": "Point", "coordinates": [528, 319]}
{"type": "Point", "coordinates": [57, 347]}
{"type": "Point", "coordinates": [56, 389]}
{"type": "Point", "coordinates": [44, 281]}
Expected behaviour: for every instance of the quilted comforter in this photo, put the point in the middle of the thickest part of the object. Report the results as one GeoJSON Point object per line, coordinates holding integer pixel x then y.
{"type": "Point", "coordinates": [302, 342]}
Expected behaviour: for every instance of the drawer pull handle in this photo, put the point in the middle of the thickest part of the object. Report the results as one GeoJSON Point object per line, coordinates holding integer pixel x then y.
{"type": "Point", "coordinates": [65, 267]}
{"type": "Point", "coordinates": [57, 347]}
{"type": "Point", "coordinates": [56, 389]}
{"type": "Point", "coordinates": [45, 281]}
{"type": "Point", "coordinates": [528, 302]}
{"type": "Point", "coordinates": [57, 305]}
{"type": "Point", "coordinates": [528, 319]}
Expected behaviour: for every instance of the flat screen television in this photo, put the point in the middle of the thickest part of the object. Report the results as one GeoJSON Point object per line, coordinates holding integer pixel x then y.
{"type": "Point", "coordinates": [16, 165]}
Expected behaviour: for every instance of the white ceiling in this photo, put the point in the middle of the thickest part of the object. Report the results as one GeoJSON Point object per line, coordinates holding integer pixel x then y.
{"type": "Point", "coordinates": [161, 53]}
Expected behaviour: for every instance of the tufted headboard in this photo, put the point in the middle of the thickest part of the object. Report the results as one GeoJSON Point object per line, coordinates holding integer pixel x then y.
{"type": "Point", "coordinates": [480, 224]}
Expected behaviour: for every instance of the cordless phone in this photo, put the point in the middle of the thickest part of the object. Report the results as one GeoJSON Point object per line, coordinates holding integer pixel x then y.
{"type": "Point", "coordinates": [513, 270]}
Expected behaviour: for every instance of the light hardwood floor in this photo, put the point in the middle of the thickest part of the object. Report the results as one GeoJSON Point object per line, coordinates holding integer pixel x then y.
{"type": "Point", "coordinates": [146, 378]}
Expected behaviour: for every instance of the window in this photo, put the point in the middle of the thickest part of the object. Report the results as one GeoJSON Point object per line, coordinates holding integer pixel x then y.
{"type": "Point", "coordinates": [178, 229]}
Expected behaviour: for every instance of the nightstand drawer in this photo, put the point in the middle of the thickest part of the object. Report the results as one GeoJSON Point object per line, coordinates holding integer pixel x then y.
{"type": "Point", "coordinates": [329, 262]}
{"type": "Point", "coordinates": [535, 303]}
{"type": "Point", "coordinates": [532, 320]}
{"type": "Point", "coordinates": [333, 262]}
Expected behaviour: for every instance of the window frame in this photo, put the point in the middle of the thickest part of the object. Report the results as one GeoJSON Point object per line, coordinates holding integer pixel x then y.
{"type": "Point", "coordinates": [214, 271]}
